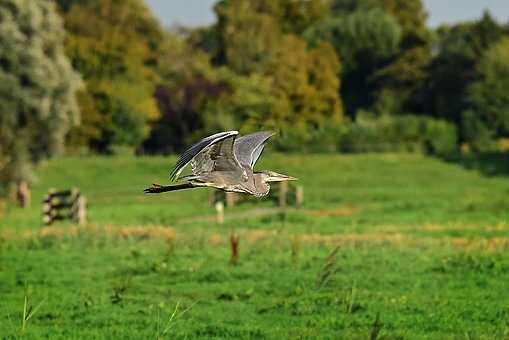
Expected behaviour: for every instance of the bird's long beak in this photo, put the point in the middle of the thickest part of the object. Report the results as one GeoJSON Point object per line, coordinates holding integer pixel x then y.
{"type": "Point", "coordinates": [275, 177]}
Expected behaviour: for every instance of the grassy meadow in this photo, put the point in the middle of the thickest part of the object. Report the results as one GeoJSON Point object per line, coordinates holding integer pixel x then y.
{"type": "Point", "coordinates": [394, 246]}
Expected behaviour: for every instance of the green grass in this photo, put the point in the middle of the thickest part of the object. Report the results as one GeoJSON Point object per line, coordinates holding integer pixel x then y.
{"type": "Point", "coordinates": [422, 246]}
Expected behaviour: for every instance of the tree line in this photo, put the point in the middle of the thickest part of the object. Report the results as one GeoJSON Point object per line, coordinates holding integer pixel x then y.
{"type": "Point", "coordinates": [328, 75]}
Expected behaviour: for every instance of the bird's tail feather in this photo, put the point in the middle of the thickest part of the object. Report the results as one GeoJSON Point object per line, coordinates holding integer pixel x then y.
{"type": "Point", "coordinates": [157, 188]}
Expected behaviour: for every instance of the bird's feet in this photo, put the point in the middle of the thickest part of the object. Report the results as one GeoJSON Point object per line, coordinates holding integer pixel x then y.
{"type": "Point", "coordinates": [154, 189]}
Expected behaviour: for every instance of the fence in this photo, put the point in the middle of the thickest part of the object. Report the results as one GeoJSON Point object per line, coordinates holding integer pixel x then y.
{"type": "Point", "coordinates": [281, 193]}
{"type": "Point", "coordinates": [62, 205]}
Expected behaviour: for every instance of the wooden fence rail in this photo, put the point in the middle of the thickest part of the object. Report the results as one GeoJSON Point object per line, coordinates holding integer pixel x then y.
{"type": "Point", "coordinates": [64, 204]}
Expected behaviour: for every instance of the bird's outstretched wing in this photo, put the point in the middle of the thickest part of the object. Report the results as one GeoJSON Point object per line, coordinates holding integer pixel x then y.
{"type": "Point", "coordinates": [248, 148]}
{"type": "Point", "coordinates": [211, 153]}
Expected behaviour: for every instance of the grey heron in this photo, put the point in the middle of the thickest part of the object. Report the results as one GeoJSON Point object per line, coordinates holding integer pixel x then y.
{"type": "Point", "coordinates": [224, 161]}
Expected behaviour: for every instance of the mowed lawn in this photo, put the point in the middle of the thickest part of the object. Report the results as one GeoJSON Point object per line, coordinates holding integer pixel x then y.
{"type": "Point", "coordinates": [385, 247]}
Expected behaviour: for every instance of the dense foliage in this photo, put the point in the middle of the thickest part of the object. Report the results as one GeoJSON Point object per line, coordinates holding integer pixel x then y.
{"type": "Point", "coordinates": [37, 87]}
{"type": "Point", "coordinates": [459, 63]}
{"type": "Point", "coordinates": [315, 68]}
{"type": "Point", "coordinates": [487, 98]}
{"type": "Point", "coordinates": [392, 133]}
{"type": "Point", "coordinates": [114, 45]}
{"type": "Point", "coordinates": [324, 74]}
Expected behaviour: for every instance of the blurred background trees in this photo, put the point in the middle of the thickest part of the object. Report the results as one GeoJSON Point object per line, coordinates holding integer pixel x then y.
{"type": "Point", "coordinates": [487, 99]}
{"type": "Point", "coordinates": [459, 52]}
{"type": "Point", "coordinates": [114, 44]}
{"type": "Point", "coordinates": [328, 75]}
{"type": "Point", "coordinates": [37, 90]}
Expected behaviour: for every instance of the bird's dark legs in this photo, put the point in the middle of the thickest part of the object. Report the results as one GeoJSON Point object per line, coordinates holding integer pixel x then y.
{"type": "Point", "coordinates": [157, 188]}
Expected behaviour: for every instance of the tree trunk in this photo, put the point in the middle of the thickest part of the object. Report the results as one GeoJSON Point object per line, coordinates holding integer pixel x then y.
{"type": "Point", "coordinates": [23, 194]}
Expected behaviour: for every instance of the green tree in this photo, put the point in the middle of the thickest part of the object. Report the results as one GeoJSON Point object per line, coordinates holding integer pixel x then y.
{"type": "Point", "coordinates": [488, 98]}
{"type": "Point", "coordinates": [37, 88]}
{"type": "Point", "coordinates": [298, 90]}
{"type": "Point", "coordinates": [459, 48]}
{"type": "Point", "coordinates": [365, 40]}
{"type": "Point", "coordinates": [296, 16]}
{"type": "Point", "coordinates": [362, 37]}
{"type": "Point", "coordinates": [247, 35]}
{"type": "Point", "coordinates": [307, 81]}
{"type": "Point", "coordinates": [187, 85]}
{"type": "Point", "coordinates": [385, 49]}
{"type": "Point", "coordinates": [197, 99]}
{"type": "Point", "coordinates": [114, 44]}
{"type": "Point", "coordinates": [259, 40]}
{"type": "Point", "coordinates": [401, 81]}
{"type": "Point", "coordinates": [248, 31]}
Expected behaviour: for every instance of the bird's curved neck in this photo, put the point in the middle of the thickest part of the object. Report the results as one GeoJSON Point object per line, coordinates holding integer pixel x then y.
{"type": "Point", "coordinates": [261, 187]}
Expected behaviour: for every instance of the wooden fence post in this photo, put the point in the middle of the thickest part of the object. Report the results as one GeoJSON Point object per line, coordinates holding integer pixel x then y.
{"type": "Point", "coordinates": [299, 196]}
{"type": "Point", "coordinates": [47, 217]}
{"type": "Point", "coordinates": [283, 191]}
{"type": "Point", "coordinates": [24, 195]}
{"type": "Point", "coordinates": [230, 199]}
{"type": "Point", "coordinates": [65, 204]}
{"type": "Point", "coordinates": [212, 197]}
{"type": "Point", "coordinates": [80, 210]}
{"type": "Point", "coordinates": [219, 212]}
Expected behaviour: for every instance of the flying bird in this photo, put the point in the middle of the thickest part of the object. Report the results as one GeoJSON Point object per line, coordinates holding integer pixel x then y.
{"type": "Point", "coordinates": [224, 161]}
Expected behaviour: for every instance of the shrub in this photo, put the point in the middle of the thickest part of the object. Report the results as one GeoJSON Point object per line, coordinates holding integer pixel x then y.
{"type": "Point", "coordinates": [409, 133]}
{"type": "Point", "coordinates": [303, 138]}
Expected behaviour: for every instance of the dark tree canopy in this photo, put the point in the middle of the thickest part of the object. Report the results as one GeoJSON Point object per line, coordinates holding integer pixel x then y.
{"type": "Point", "coordinates": [487, 99]}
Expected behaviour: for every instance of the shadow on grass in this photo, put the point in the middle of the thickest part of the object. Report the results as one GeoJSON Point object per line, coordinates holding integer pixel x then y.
{"type": "Point", "coordinates": [488, 163]}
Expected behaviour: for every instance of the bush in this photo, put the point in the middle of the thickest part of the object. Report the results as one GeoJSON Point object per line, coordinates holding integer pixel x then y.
{"type": "Point", "coordinates": [479, 135]}
{"type": "Point", "coordinates": [439, 136]}
{"type": "Point", "coordinates": [303, 138]}
{"type": "Point", "coordinates": [408, 133]}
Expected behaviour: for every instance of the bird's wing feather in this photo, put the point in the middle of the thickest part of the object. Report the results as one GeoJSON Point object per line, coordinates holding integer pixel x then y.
{"type": "Point", "coordinates": [208, 154]}
{"type": "Point", "coordinates": [256, 153]}
{"type": "Point", "coordinates": [223, 156]}
{"type": "Point", "coordinates": [249, 148]}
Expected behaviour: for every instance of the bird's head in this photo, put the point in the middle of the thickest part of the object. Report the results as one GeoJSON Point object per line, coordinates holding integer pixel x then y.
{"type": "Point", "coordinates": [272, 176]}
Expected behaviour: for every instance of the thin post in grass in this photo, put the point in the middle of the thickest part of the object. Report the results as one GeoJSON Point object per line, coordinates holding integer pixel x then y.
{"type": "Point", "coordinates": [230, 198]}
{"type": "Point", "coordinates": [219, 212]}
{"type": "Point", "coordinates": [234, 245]}
{"type": "Point", "coordinates": [212, 197]}
{"type": "Point", "coordinates": [80, 210]}
{"type": "Point", "coordinates": [24, 194]}
{"type": "Point", "coordinates": [299, 196]}
{"type": "Point", "coordinates": [283, 191]}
